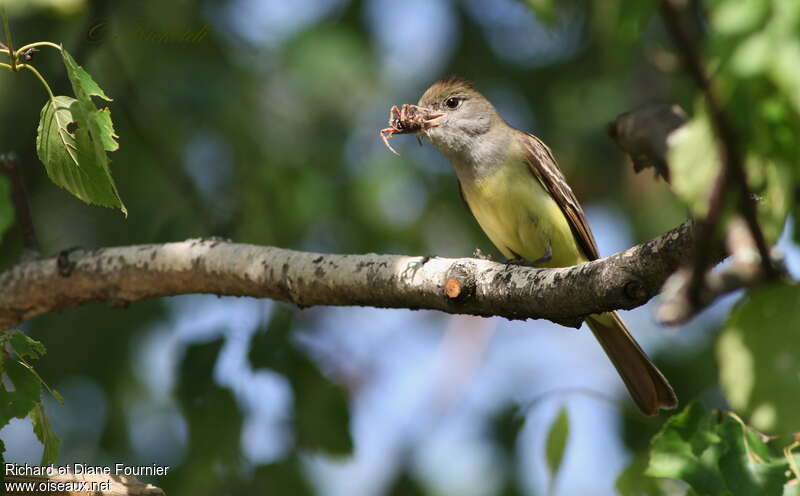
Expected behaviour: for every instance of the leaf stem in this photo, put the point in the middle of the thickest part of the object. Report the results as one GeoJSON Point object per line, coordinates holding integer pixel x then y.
{"type": "Point", "coordinates": [39, 75]}
{"type": "Point", "coordinates": [22, 49]}
{"type": "Point", "coordinates": [7, 34]}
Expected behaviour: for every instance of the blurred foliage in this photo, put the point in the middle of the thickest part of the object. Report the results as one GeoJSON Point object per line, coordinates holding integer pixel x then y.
{"type": "Point", "coordinates": [557, 442]}
{"type": "Point", "coordinates": [759, 355]}
{"type": "Point", "coordinates": [267, 133]}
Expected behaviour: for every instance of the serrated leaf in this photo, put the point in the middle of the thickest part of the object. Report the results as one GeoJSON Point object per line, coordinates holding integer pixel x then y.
{"type": "Point", "coordinates": [73, 158]}
{"type": "Point", "coordinates": [25, 346]}
{"type": "Point", "coordinates": [758, 352]}
{"type": "Point", "coordinates": [688, 448]}
{"type": "Point", "coordinates": [82, 83]}
{"type": "Point", "coordinates": [716, 455]}
{"type": "Point", "coordinates": [745, 473]}
{"type": "Point", "coordinates": [6, 207]}
{"type": "Point", "coordinates": [45, 435]}
{"type": "Point", "coordinates": [74, 137]}
{"type": "Point", "coordinates": [26, 393]}
{"type": "Point", "coordinates": [557, 441]}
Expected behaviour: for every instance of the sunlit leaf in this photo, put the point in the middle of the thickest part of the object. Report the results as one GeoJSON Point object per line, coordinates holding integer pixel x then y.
{"type": "Point", "coordinates": [759, 358]}
{"type": "Point", "coordinates": [74, 137]}
{"type": "Point", "coordinates": [687, 448]}
{"type": "Point", "coordinates": [716, 454]}
{"type": "Point", "coordinates": [73, 155]}
{"type": "Point", "coordinates": [694, 162]}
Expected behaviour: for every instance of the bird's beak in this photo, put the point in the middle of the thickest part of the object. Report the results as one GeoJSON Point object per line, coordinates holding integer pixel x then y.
{"type": "Point", "coordinates": [432, 120]}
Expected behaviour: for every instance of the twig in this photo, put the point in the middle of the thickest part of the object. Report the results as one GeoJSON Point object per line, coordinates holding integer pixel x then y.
{"type": "Point", "coordinates": [743, 271]}
{"type": "Point", "coordinates": [126, 274]}
{"type": "Point", "coordinates": [9, 163]}
{"type": "Point", "coordinates": [732, 171]}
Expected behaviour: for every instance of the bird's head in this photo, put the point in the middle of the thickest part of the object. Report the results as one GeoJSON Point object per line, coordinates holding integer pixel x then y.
{"type": "Point", "coordinates": [462, 114]}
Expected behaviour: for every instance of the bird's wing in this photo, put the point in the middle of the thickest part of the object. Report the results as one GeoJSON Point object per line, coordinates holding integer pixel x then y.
{"type": "Point", "coordinates": [544, 167]}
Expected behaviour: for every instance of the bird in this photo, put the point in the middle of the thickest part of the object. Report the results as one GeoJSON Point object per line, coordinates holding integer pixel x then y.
{"type": "Point", "coordinates": [512, 185]}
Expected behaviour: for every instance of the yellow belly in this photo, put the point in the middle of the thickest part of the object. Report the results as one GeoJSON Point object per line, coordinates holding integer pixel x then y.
{"type": "Point", "coordinates": [520, 217]}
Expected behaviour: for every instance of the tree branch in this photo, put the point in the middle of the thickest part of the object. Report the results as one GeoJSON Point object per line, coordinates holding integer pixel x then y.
{"type": "Point", "coordinates": [732, 172]}
{"type": "Point", "coordinates": [466, 286]}
{"type": "Point", "coordinates": [9, 164]}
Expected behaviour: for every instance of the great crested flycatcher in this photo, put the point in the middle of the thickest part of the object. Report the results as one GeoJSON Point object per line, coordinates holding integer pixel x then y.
{"type": "Point", "coordinates": [513, 187]}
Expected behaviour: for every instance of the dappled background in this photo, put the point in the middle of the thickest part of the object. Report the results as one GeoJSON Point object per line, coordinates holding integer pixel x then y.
{"type": "Point", "coordinates": [257, 120]}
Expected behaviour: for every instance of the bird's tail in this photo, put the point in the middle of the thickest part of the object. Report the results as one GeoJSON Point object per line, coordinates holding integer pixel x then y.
{"type": "Point", "coordinates": [647, 386]}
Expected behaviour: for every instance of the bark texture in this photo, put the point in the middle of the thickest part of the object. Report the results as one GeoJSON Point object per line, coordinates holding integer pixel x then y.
{"type": "Point", "coordinates": [466, 286]}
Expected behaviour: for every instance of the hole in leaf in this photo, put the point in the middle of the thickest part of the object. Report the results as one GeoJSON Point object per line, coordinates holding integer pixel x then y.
{"type": "Point", "coordinates": [72, 127]}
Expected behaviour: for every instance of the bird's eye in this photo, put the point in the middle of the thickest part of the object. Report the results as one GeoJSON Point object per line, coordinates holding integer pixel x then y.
{"type": "Point", "coordinates": [452, 102]}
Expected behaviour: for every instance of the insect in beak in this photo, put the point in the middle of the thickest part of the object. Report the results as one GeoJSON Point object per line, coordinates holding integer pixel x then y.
{"type": "Point", "coordinates": [409, 119]}
{"type": "Point", "coordinates": [432, 120]}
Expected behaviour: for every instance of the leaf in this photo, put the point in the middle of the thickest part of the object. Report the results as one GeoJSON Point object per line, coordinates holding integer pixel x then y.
{"type": "Point", "coordinates": [505, 427]}
{"type": "Point", "coordinates": [26, 393]}
{"type": "Point", "coordinates": [744, 472]}
{"type": "Point", "coordinates": [633, 482]}
{"type": "Point", "coordinates": [557, 441]}
{"type": "Point", "coordinates": [6, 207]}
{"type": "Point", "coordinates": [45, 435]}
{"type": "Point", "coordinates": [25, 346]}
{"type": "Point", "coordinates": [73, 156]}
{"type": "Point", "coordinates": [73, 138]}
{"type": "Point", "coordinates": [285, 476]}
{"type": "Point", "coordinates": [314, 393]}
{"type": "Point", "coordinates": [687, 448]}
{"type": "Point", "coordinates": [694, 162]}
{"type": "Point", "coordinates": [716, 456]}
{"type": "Point", "coordinates": [759, 358]}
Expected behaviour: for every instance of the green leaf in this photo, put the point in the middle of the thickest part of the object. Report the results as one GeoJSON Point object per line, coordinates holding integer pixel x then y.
{"type": "Point", "coordinates": [25, 346]}
{"type": "Point", "coordinates": [716, 455]}
{"type": "Point", "coordinates": [73, 138]}
{"type": "Point", "coordinates": [45, 435]}
{"type": "Point", "coordinates": [744, 471]}
{"type": "Point", "coordinates": [687, 448]}
{"type": "Point", "coordinates": [73, 157]}
{"type": "Point", "coordinates": [6, 207]}
{"type": "Point", "coordinates": [694, 162]}
{"type": "Point", "coordinates": [26, 393]}
{"type": "Point", "coordinates": [285, 476]}
{"type": "Point", "coordinates": [557, 441]}
{"type": "Point", "coordinates": [759, 358]}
